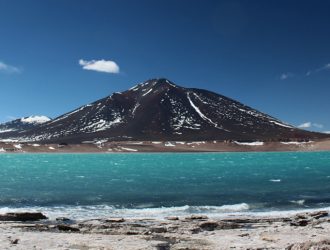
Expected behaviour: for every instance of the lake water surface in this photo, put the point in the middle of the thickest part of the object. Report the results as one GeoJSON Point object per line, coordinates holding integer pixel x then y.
{"type": "Point", "coordinates": [160, 184]}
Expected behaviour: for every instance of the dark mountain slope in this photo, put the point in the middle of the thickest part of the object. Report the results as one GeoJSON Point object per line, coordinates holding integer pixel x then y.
{"type": "Point", "coordinates": [160, 110]}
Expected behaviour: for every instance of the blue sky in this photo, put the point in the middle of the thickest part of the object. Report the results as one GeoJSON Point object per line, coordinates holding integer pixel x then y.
{"type": "Point", "coordinates": [271, 55]}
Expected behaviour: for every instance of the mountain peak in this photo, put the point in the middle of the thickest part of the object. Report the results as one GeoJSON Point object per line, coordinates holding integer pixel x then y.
{"type": "Point", "coordinates": [159, 110]}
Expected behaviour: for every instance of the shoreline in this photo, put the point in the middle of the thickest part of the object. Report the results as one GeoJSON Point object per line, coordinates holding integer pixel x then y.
{"type": "Point", "coordinates": [102, 211]}
{"type": "Point", "coordinates": [200, 232]}
{"type": "Point", "coordinates": [135, 147]}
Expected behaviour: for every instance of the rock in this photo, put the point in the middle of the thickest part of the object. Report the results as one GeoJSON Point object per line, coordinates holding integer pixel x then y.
{"type": "Point", "coordinates": [172, 218]}
{"type": "Point", "coordinates": [158, 229]}
{"type": "Point", "coordinates": [197, 217]}
{"type": "Point", "coordinates": [132, 233]}
{"type": "Point", "coordinates": [208, 225]}
{"type": "Point", "coordinates": [243, 235]}
{"type": "Point", "coordinates": [319, 214]}
{"type": "Point", "coordinates": [325, 244]}
{"type": "Point", "coordinates": [196, 230]}
{"type": "Point", "coordinates": [62, 219]}
{"type": "Point", "coordinates": [299, 223]}
{"type": "Point", "coordinates": [67, 228]}
{"type": "Point", "coordinates": [115, 220]}
{"type": "Point", "coordinates": [163, 246]}
{"type": "Point", "coordinates": [301, 216]}
{"type": "Point", "coordinates": [229, 225]}
{"type": "Point", "coordinates": [14, 242]}
{"type": "Point", "coordinates": [22, 217]}
{"type": "Point", "coordinates": [268, 238]}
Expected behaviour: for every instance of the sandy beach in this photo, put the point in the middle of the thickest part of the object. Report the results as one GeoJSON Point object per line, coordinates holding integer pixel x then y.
{"type": "Point", "coordinates": [297, 231]}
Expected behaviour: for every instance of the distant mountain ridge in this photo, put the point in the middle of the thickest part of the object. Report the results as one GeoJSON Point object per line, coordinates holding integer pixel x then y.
{"type": "Point", "coordinates": [23, 124]}
{"type": "Point", "coordinates": [158, 109]}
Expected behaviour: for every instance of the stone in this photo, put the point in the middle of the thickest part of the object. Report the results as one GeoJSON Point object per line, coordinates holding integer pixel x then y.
{"type": "Point", "coordinates": [172, 218]}
{"type": "Point", "coordinates": [14, 242]}
{"type": "Point", "coordinates": [115, 220]}
{"type": "Point", "coordinates": [62, 219]}
{"type": "Point", "coordinates": [319, 214]}
{"type": "Point", "coordinates": [22, 217]}
{"type": "Point", "coordinates": [299, 223]}
{"type": "Point", "coordinates": [197, 217]}
{"type": "Point", "coordinates": [67, 228]}
{"type": "Point", "coordinates": [163, 246]}
{"type": "Point", "coordinates": [158, 229]}
{"type": "Point", "coordinates": [208, 225]}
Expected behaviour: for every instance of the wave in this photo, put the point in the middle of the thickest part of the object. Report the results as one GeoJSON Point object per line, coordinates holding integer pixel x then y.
{"type": "Point", "coordinates": [106, 211]}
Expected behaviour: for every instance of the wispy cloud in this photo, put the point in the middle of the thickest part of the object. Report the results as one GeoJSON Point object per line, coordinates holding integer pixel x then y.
{"type": "Point", "coordinates": [9, 69]}
{"type": "Point", "coordinates": [310, 125]}
{"type": "Point", "coordinates": [287, 75]}
{"type": "Point", "coordinates": [323, 68]}
{"type": "Point", "coordinates": [305, 125]}
{"type": "Point", "coordinates": [105, 66]}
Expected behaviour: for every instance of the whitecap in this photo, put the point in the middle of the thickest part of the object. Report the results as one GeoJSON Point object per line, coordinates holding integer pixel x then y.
{"type": "Point", "coordinates": [275, 180]}
{"type": "Point", "coordinates": [299, 202]}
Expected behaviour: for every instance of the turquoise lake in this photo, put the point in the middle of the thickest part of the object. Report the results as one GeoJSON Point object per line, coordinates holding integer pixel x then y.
{"type": "Point", "coordinates": [161, 183]}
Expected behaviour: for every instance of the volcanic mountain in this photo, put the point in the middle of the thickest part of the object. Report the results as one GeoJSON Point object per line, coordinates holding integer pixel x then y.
{"type": "Point", "coordinates": [160, 110]}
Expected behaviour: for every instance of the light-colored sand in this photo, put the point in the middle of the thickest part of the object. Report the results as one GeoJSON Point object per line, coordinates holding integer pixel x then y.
{"type": "Point", "coordinates": [253, 233]}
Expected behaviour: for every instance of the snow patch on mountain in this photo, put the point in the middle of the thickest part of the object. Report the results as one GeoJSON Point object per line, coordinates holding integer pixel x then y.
{"type": "Point", "coordinates": [35, 119]}
{"type": "Point", "coordinates": [201, 114]}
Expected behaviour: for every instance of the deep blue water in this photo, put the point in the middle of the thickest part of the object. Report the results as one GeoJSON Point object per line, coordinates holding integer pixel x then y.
{"type": "Point", "coordinates": [197, 182]}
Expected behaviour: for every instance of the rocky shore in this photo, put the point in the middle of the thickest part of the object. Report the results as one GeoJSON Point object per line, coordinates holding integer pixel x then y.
{"type": "Point", "coordinates": [34, 231]}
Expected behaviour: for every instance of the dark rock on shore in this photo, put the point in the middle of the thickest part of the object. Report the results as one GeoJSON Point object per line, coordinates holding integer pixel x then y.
{"type": "Point", "coordinates": [22, 217]}
{"type": "Point", "coordinates": [197, 217]}
{"type": "Point", "coordinates": [172, 218]}
{"type": "Point", "coordinates": [62, 219]}
{"type": "Point", "coordinates": [209, 225]}
{"type": "Point", "coordinates": [303, 219]}
{"type": "Point", "coordinates": [67, 228]}
{"type": "Point", "coordinates": [115, 220]}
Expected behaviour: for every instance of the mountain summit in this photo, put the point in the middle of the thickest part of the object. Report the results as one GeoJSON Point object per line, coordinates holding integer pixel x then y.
{"type": "Point", "coordinates": [158, 109]}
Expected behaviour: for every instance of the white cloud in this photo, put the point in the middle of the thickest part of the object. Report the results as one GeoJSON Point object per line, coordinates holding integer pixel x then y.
{"type": "Point", "coordinates": [310, 125]}
{"type": "Point", "coordinates": [325, 67]}
{"type": "Point", "coordinates": [6, 68]}
{"type": "Point", "coordinates": [305, 125]}
{"type": "Point", "coordinates": [317, 125]}
{"type": "Point", "coordinates": [100, 66]}
{"type": "Point", "coordinates": [326, 132]}
{"type": "Point", "coordinates": [285, 76]}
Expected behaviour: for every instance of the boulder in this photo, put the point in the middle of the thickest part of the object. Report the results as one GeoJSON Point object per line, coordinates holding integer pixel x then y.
{"type": "Point", "coordinates": [208, 225]}
{"type": "Point", "coordinates": [197, 217]}
{"type": "Point", "coordinates": [158, 229]}
{"type": "Point", "coordinates": [300, 223]}
{"type": "Point", "coordinates": [319, 214]}
{"type": "Point", "coordinates": [67, 228]}
{"type": "Point", "coordinates": [172, 218]}
{"type": "Point", "coordinates": [22, 217]}
{"type": "Point", "coordinates": [115, 220]}
{"type": "Point", "coordinates": [62, 219]}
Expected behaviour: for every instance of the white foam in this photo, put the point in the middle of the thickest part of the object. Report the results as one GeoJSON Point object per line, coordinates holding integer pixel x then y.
{"type": "Point", "coordinates": [105, 211]}
{"type": "Point", "coordinates": [299, 202]}
{"type": "Point", "coordinates": [275, 180]}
